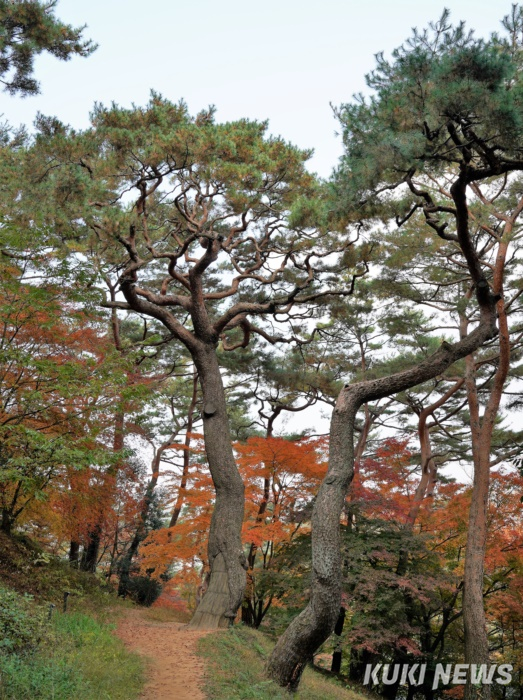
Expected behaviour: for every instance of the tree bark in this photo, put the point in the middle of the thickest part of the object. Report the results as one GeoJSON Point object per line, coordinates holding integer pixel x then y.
{"type": "Point", "coordinates": [429, 469]}
{"type": "Point", "coordinates": [7, 522]}
{"type": "Point", "coordinates": [225, 592]}
{"type": "Point", "coordinates": [221, 601]}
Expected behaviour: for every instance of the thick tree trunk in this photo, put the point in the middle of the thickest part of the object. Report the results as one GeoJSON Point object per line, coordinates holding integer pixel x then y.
{"type": "Point", "coordinates": [225, 546]}
{"type": "Point", "coordinates": [474, 620]}
{"type": "Point", "coordinates": [314, 625]}
{"type": "Point", "coordinates": [226, 557]}
{"type": "Point", "coordinates": [74, 551]}
{"type": "Point", "coordinates": [309, 629]}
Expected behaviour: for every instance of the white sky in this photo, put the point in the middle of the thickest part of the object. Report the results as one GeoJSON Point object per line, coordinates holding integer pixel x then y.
{"type": "Point", "coordinates": [284, 60]}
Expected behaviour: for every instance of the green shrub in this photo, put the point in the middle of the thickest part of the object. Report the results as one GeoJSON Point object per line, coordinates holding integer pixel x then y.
{"type": "Point", "coordinates": [22, 623]}
{"type": "Point", "coordinates": [71, 657]}
{"type": "Point", "coordinates": [143, 589]}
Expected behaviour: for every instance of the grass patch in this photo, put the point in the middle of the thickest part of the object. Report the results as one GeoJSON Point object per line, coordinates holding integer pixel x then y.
{"type": "Point", "coordinates": [235, 661]}
{"type": "Point", "coordinates": [77, 658]}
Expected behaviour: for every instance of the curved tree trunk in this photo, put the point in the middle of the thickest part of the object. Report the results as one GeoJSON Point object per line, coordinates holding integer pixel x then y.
{"type": "Point", "coordinates": [226, 557]}
{"type": "Point", "coordinates": [314, 625]}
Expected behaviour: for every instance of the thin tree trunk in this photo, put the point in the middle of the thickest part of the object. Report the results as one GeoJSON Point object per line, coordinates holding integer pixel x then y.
{"type": "Point", "coordinates": [429, 471]}
{"type": "Point", "coordinates": [337, 654]}
{"type": "Point", "coordinates": [90, 555]}
{"type": "Point", "coordinates": [248, 605]}
{"type": "Point", "coordinates": [186, 461]}
{"type": "Point", "coordinates": [474, 620]}
{"type": "Point", "coordinates": [429, 467]}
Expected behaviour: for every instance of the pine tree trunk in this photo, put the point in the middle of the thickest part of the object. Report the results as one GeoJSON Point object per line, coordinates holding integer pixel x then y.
{"type": "Point", "coordinates": [314, 625]}
{"type": "Point", "coordinates": [474, 620]}
{"type": "Point", "coordinates": [226, 557]}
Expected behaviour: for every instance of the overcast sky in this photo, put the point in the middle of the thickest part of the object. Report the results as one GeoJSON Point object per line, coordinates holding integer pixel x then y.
{"type": "Point", "coordinates": [282, 60]}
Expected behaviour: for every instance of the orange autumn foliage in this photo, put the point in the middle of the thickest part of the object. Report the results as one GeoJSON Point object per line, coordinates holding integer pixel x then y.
{"type": "Point", "coordinates": [293, 470]}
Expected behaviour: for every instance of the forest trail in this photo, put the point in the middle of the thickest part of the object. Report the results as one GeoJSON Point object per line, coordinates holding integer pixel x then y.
{"type": "Point", "coordinates": [175, 672]}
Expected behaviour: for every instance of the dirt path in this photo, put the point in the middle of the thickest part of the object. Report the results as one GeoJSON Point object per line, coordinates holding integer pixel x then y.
{"type": "Point", "coordinates": [175, 672]}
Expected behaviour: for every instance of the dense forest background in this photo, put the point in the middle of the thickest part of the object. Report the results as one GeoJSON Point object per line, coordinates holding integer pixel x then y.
{"type": "Point", "coordinates": [174, 289]}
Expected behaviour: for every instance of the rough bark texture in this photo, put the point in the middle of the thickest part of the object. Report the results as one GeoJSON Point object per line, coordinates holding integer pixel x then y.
{"type": "Point", "coordinates": [227, 517]}
{"type": "Point", "coordinates": [201, 342]}
{"type": "Point", "coordinates": [209, 614]}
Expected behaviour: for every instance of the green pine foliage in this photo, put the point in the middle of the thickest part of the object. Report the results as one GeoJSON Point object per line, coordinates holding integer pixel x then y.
{"type": "Point", "coordinates": [28, 28]}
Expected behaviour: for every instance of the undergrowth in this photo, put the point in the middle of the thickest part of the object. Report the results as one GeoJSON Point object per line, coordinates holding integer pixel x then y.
{"type": "Point", "coordinates": [69, 657]}
{"type": "Point", "coordinates": [235, 661]}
